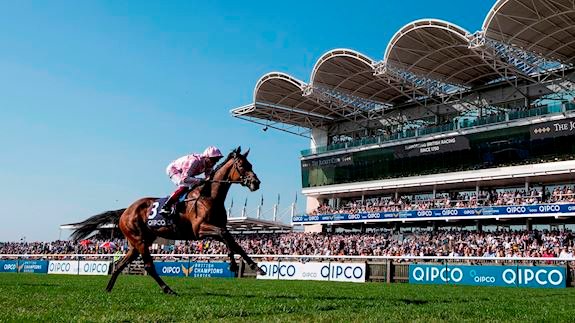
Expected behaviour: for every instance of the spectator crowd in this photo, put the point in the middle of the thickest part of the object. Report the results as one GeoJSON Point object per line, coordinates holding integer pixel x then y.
{"type": "Point", "coordinates": [423, 243]}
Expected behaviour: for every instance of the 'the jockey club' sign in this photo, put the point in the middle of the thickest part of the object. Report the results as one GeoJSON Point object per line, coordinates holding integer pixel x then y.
{"type": "Point", "coordinates": [552, 129]}
{"type": "Point", "coordinates": [326, 162]}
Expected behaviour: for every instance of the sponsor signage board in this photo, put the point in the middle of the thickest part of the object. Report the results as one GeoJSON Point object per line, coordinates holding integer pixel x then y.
{"type": "Point", "coordinates": [8, 266]}
{"type": "Point", "coordinates": [537, 209]}
{"type": "Point", "coordinates": [515, 276]}
{"type": "Point", "coordinates": [33, 266]}
{"type": "Point", "coordinates": [63, 267]}
{"type": "Point", "coordinates": [194, 269]}
{"type": "Point", "coordinates": [94, 267]}
{"type": "Point", "coordinates": [210, 269]}
{"type": "Point", "coordinates": [327, 271]}
{"type": "Point", "coordinates": [172, 268]}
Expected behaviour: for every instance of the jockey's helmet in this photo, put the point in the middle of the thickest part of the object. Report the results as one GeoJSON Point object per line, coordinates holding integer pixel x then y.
{"type": "Point", "coordinates": [212, 152]}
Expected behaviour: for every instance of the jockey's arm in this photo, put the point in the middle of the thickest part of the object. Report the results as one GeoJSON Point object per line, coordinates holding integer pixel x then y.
{"type": "Point", "coordinates": [208, 173]}
{"type": "Point", "coordinates": [192, 181]}
{"type": "Point", "coordinates": [195, 169]}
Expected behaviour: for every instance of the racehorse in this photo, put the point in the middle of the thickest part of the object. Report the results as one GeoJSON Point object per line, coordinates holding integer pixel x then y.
{"type": "Point", "coordinates": [203, 215]}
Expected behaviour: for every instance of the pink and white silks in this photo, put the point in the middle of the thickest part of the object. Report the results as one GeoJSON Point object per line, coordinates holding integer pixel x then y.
{"type": "Point", "coordinates": [183, 170]}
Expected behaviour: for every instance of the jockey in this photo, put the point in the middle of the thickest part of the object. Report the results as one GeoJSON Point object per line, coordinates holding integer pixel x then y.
{"type": "Point", "coordinates": [183, 170]}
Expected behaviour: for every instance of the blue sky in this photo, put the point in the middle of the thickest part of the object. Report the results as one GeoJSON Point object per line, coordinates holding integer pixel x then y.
{"type": "Point", "coordinates": [97, 97]}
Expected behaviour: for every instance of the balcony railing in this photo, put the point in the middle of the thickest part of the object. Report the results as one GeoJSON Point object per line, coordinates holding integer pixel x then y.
{"type": "Point", "coordinates": [461, 124]}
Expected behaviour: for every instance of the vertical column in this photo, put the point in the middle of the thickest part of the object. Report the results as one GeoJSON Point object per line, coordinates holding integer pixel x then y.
{"type": "Point", "coordinates": [311, 205]}
{"type": "Point", "coordinates": [318, 138]}
{"type": "Point", "coordinates": [477, 195]}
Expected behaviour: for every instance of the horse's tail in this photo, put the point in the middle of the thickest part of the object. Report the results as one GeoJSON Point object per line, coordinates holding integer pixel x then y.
{"type": "Point", "coordinates": [94, 223]}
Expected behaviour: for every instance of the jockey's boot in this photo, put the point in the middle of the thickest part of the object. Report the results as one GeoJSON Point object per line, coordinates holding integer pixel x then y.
{"type": "Point", "coordinates": [168, 209]}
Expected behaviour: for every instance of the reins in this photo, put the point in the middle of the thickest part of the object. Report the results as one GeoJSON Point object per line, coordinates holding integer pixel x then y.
{"type": "Point", "coordinates": [243, 181]}
{"type": "Point", "coordinates": [225, 181]}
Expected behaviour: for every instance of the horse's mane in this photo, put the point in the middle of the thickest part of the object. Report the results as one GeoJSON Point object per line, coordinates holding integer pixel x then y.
{"type": "Point", "coordinates": [204, 189]}
{"type": "Point", "coordinates": [221, 164]}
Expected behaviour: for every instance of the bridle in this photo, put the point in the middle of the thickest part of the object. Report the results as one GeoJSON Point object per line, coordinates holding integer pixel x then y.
{"type": "Point", "coordinates": [244, 181]}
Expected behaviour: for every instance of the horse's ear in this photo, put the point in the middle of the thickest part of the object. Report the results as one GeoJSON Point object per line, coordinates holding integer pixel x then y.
{"type": "Point", "coordinates": [238, 150]}
{"type": "Point", "coordinates": [246, 153]}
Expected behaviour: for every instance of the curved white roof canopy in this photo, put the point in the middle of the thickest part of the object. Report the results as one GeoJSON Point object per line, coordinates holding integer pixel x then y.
{"type": "Point", "coordinates": [438, 50]}
{"type": "Point", "coordinates": [353, 73]}
{"type": "Point", "coordinates": [545, 27]}
{"type": "Point", "coordinates": [279, 97]}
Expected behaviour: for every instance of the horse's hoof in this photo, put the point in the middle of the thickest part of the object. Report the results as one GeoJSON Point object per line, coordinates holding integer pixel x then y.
{"type": "Point", "coordinates": [169, 291]}
{"type": "Point", "coordinates": [261, 271]}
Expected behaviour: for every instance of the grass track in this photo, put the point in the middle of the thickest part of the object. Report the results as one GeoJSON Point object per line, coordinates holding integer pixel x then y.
{"type": "Point", "coordinates": [33, 297]}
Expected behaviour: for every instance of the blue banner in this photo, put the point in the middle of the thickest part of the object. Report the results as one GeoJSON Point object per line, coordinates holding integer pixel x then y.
{"type": "Point", "coordinates": [539, 209]}
{"type": "Point", "coordinates": [33, 266]}
{"type": "Point", "coordinates": [172, 268]}
{"type": "Point", "coordinates": [8, 266]}
{"type": "Point", "coordinates": [211, 269]}
{"type": "Point", "coordinates": [516, 276]}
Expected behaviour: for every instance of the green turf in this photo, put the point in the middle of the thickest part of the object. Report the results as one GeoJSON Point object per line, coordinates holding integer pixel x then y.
{"type": "Point", "coordinates": [34, 297]}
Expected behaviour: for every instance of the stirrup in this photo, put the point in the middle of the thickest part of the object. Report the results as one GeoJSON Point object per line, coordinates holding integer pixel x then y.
{"type": "Point", "coordinates": [166, 212]}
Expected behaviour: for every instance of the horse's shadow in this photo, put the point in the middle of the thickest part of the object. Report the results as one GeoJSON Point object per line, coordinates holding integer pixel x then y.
{"type": "Point", "coordinates": [323, 298]}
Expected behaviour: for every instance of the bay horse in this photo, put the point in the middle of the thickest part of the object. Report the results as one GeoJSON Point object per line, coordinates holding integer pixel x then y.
{"type": "Point", "coordinates": [203, 215]}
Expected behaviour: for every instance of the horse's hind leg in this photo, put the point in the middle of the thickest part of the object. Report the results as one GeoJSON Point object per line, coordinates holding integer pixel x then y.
{"type": "Point", "coordinates": [149, 266]}
{"type": "Point", "coordinates": [128, 258]}
{"type": "Point", "coordinates": [233, 264]}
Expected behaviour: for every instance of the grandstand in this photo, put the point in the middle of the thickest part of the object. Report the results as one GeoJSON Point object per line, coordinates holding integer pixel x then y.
{"type": "Point", "coordinates": [450, 129]}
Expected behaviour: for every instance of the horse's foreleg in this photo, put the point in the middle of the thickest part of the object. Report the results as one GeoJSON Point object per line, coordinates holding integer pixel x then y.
{"type": "Point", "coordinates": [208, 230]}
{"type": "Point", "coordinates": [215, 232]}
{"type": "Point", "coordinates": [235, 247]}
{"type": "Point", "coordinates": [128, 258]}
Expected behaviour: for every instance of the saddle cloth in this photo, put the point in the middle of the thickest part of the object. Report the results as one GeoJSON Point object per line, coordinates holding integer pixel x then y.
{"type": "Point", "coordinates": [156, 219]}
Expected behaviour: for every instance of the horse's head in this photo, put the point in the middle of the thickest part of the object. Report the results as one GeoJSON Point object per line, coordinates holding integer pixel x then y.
{"type": "Point", "coordinates": [242, 171]}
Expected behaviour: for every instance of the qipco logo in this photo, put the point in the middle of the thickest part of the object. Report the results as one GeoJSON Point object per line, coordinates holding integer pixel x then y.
{"type": "Point", "coordinates": [516, 209]}
{"type": "Point", "coordinates": [100, 268]}
{"type": "Point", "coordinates": [9, 267]}
{"type": "Point", "coordinates": [282, 270]}
{"type": "Point", "coordinates": [481, 278]}
{"type": "Point", "coordinates": [549, 208]}
{"type": "Point", "coordinates": [524, 276]}
{"type": "Point", "coordinates": [431, 274]}
{"type": "Point", "coordinates": [449, 212]}
{"type": "Point", "coordinates": [425, 213]}
{"type": "Point", "coordinates": [60, 267]}
{"type": "Point", "coordinates": [174, 270]}
{"type": "Point", "coordinates": [342, 271]}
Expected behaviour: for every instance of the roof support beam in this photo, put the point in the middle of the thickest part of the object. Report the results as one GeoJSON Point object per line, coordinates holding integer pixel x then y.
{"type": "Point", "coordinates": [525, 63]}
{"type": "Point", "coordinates": [432, 89]}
